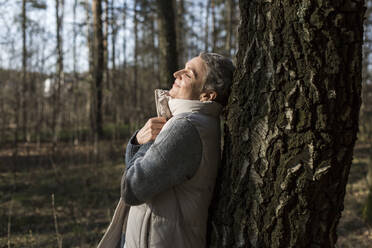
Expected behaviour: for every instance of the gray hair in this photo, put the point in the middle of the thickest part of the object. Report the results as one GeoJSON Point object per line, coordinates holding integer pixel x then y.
{"type": "Point", "coordinates": [219, 76]}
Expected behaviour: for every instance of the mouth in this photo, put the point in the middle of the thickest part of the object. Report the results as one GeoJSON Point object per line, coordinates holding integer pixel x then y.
{"type": "Point", "coordinates": [176, 84]}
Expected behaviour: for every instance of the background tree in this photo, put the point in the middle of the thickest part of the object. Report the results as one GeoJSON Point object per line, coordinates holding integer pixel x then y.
{"type": "Point", "coordinates": [98, 62]}
{"type": "Point", "coordinates": [59, 72]}
{"type": "Point", "coordinates": [23, 97]}
{"type": "Point", "coordinates": [365, 129]}
{"type": "Point", "coordinates": [181, 31]}
{"type": "Point", "coordinates": [167, 41]}
{"type": "Point", "coordinates": [132, 53]}
{"type": "Point", "coordinates": [291, 124]}
{"type": "Point", "coordinates": [134, 91]}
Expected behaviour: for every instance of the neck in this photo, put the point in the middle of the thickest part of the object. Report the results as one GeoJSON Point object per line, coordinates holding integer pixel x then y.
{"type": "Point", "coordinates": [178, 106]}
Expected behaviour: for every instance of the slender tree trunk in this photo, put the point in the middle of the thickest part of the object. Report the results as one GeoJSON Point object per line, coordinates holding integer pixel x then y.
{"type": "Point", "coordinates": [107, 99]}
{"type": "Point", "coordinates": [181, 32]}
{"type": "Point", "coordinates": [75, 111]}
{"type": "Point", "coordinates": [59, 72]}
{"type": "Point", "coordinates": [124, 38]}
{"type": "Point", "coordinates": [229, 27]}
{"type": "Point", "coordinates": [167, 42]}
{"type": "Point", "coordinates": [92, 106]}
{"type": "Point", "coordinates": [98, 61]}
{"type": "Point", "coordinates": [206, 28]}
{"type": "Point", "coordinates": [291, 125]}
{"type": "Point", "coordinates": [214, 28]}
{"type": "Point", "coordinates": [155, 54]}
{"type": "Point", "coordinates": [114, 28]}
{"type": "Point", "coordinates": [366, 110]}
{"type": "Point", "coordinates": [74, 38]}
{"type": "Point", "coordinates": [24, 72]}
{"type": "Point", "coordinates": [135, 69]}
{"type": "Point", "coordinates": [105, 44]}
{"type": "Point", "coordinates": [124, 116]}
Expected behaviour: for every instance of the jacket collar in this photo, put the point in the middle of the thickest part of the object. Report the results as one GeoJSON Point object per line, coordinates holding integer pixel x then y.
{"type": "Point", "coordinates": [178, 106]}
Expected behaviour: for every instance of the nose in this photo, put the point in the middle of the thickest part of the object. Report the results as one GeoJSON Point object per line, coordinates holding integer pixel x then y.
{"type": "Point", "coordinates": [178, 73]}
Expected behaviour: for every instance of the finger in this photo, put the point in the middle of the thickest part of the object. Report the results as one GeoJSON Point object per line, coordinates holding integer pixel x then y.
{"type": "Point", "coordinates": [162, 119]}
{"type": "Point", "coordinates": [156, 125]}
{"type": "Point", "coordinates": [155, 131]}
{"type": "Point", "coordinates": [158, 120]}
{"type": "Point", "coordinates": [153, 136]}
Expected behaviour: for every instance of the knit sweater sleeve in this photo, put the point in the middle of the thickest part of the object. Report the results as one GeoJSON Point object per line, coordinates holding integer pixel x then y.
{"type": "Point", "coordinates": [133, 148]}
{"type": "Point", "coordinates": [172, 159]}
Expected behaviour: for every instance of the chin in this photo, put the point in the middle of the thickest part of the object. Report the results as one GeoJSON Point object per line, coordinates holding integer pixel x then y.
{"type": "Point", "coordinates": [172, 93]}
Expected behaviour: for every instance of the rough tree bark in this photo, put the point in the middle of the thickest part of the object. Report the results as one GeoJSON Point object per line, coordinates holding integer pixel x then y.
{"type": "Point", "coordinates": [98, 62]}
{"type": "Point", "coordinates": [167, 42]}
{"type": "Point", "coordinates": [291, 124]}
{"type": "Point", "coordinates": [366, 108]}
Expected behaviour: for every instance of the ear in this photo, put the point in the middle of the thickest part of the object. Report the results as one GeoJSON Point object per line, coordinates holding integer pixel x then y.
{"type": "Point", "coordinates": [208, 96]}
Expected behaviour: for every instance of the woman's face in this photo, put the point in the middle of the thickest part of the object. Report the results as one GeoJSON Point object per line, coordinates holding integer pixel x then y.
{"type": "Point", "coordinates": [189, 82]}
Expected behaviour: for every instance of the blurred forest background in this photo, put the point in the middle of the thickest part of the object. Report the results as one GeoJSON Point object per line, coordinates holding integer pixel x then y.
{"type": "Point", "coordinates": [77, 77]}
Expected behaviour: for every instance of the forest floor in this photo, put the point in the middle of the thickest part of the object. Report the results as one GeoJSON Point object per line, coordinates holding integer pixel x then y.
{"type": "Point", "coordinates": [352, 231]}
{"type": "Point", "coordinates": [85, 194]}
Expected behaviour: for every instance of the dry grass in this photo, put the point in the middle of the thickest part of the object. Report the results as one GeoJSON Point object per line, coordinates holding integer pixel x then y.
{"type": "Point", "coordinates": [352, 230]}
{"type": "Point", "coordinates": [86, 192]}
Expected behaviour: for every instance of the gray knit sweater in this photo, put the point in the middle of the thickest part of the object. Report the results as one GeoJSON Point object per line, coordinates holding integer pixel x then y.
{"type": "Point", "coordinates": [172, 159]}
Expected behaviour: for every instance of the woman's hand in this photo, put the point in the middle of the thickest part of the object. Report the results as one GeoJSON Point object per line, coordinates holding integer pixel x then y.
{"type": "Point", "coordinates": [151, 130]}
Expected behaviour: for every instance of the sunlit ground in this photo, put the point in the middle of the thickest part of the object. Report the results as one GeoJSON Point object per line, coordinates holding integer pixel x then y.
{"type": "Point", "coordinates": [85, 196]}
{"type": "Point", "coordinates": [352, 230]}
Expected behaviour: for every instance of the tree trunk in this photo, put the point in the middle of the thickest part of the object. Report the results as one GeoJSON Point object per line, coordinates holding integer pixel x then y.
{"type": "Point", "coordinates": [167, 42]}
{"type": "Point", "coordinates": [114, 28]}
{"type": "Point", "coordinates": [98, 61]}
{"type": "Point", "coordinates": [105, 46]}
{"type": "Point", "coordinates": [214, 28]}
{"type": "Point", "coordinates": [124, 38]}
{"type": "Point", "coordinates": [229, 27]}
{"type": "Point", "coordinates": [59, 72]}
{"type": "Point", "coordinates": [206, 28]}
{"type": "Point", "coordinates": [365, 129]}
{"type": "Point", "coordinates": [24, 91]}
{"type": "Point", "coordinates": [75, 112]}
{"type": "Point", "coordinates": [181, 32]}
{"type": "Point", "coordinates": [135, 76]}
{"type": "Point", "coordinates": [107, 96]}
{"type": "Point", "coordinates": [123, 115]}
{"type": "Point", "coordinates": [91, 107]}
{"type": "Point", "coordinates": [291, 125]}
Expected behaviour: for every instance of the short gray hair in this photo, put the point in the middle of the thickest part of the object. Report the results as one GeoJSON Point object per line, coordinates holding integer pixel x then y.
{"type": "Point", "coordinates": [220, 71]}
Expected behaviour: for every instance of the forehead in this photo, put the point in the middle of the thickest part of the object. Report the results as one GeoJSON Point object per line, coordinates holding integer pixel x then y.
{"type": "Point", "coordinates": [197, 64]}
